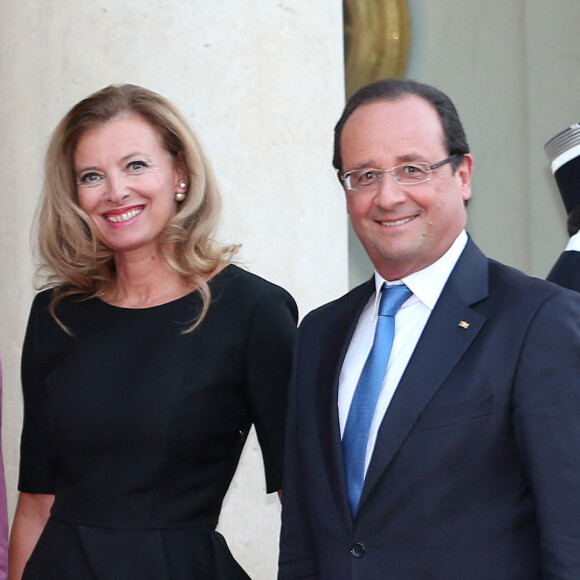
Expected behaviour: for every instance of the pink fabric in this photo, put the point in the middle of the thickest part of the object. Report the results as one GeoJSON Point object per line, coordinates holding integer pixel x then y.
{"type": "Point", "coordinates": [3, 514]}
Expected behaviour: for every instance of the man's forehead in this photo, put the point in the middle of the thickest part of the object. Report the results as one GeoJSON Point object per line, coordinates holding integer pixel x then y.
{"type": "Point", "coordinates": [411, 111]}
{"type": "Point", "coordinates": [407, 129]}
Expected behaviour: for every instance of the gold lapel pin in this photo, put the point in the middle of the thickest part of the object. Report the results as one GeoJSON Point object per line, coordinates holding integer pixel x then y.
{"type": "Point", "coordinates": [463, 324]}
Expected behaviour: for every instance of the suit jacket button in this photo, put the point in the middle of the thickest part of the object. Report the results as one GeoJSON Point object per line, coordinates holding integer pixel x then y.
{"type": "Point", "coordinates": [357, 550]}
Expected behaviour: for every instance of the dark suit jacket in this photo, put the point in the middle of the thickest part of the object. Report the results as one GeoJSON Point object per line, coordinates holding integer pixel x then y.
{"type": "Point", "coordinates": [566, 271]}
{"type": "Point", "coordinates": [476, 469]}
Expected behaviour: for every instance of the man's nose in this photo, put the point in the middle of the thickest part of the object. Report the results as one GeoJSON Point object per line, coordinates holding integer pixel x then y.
{"type": "Point", "coordinates": [389, 192]}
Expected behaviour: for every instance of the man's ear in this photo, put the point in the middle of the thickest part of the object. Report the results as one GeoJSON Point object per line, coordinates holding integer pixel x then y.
{"type": "Point", "coordinates": [464, 171]}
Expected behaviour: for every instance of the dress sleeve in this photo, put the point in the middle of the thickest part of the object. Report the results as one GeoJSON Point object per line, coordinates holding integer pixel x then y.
{"type": "Point", "coordinates": [37, 469]}
{"type": "Point", "coordinates": [269, 362]}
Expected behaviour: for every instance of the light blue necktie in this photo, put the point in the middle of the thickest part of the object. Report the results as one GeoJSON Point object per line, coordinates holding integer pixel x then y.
{"type": "Point", "coordinates": [362, 408]}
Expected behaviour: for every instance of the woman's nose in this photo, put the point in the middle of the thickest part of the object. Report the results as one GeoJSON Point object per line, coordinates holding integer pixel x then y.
{"type": "Point", "coordinates": [117, 189]}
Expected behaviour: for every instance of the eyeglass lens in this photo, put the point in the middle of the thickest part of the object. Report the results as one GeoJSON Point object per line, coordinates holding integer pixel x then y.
{"type": "Point", "coordinates": [406, 174]}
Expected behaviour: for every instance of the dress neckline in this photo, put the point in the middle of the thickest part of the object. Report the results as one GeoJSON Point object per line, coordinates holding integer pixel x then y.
{"type": "Point", "coordinates": [190, 295]}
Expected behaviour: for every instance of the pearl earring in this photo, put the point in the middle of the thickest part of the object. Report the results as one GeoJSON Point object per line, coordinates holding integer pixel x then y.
{"type": "Point", "coordinates": [180, 195]}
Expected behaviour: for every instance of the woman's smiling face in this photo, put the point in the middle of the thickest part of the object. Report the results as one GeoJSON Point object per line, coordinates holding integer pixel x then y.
{"type": "Point", "coordinates": [126, 183]}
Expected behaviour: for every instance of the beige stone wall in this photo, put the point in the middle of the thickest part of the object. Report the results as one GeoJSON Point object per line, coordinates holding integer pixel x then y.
{"type": "Point", "coordinates": [261, 82]}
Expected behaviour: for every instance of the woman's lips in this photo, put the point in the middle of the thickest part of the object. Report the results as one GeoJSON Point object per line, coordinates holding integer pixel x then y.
{"type": "Point", "coordinates": [125, 215]}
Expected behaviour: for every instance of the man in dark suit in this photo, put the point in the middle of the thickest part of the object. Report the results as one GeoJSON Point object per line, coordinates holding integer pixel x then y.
{"type": "Point", "coordinates": [563, 152]}
{"type": "Point", "coordinates": [470, 462]}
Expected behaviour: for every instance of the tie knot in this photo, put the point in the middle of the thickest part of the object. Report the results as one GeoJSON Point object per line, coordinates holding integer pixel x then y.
{"type": "Point", "coordinates": [392, 298]}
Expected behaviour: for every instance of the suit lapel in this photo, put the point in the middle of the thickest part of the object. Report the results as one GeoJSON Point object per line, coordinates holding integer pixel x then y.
{"type": "Point", "coordinates": [442, 344]}
{"type": "Point", "coordinates": [340, 332]}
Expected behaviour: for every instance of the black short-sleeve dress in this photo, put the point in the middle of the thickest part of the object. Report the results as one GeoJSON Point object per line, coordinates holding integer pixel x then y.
{"type": "Point", "coordinates": [137, 428]}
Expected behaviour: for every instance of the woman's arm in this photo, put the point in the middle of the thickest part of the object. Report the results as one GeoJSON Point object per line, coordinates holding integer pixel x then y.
{"type": "Point", "coordinates": [32, 512]}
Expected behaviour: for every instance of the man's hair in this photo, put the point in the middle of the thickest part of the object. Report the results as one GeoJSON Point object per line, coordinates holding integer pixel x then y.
{"type": "Point", "coordinates": [395, 89]}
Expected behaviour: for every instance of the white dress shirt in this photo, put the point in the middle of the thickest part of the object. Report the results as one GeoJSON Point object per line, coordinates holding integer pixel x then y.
{"type": "Point", "coordinates": [410, 320]}
{"type": "Point", "coordinates": [573, 243]}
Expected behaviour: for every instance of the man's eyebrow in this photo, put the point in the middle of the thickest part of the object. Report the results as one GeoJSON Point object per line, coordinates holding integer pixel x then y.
{"type": "Point", "coordinates": [372, 164]}
{"type": "Point", "coordinates": [410, 157]}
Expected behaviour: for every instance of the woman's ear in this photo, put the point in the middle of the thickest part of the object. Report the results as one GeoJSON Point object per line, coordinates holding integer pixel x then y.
{"type": "Point", "coordinates": [181, 171]}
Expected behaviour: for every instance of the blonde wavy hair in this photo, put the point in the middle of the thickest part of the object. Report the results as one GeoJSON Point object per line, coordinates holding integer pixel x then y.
{"type": "Point", "coordinates": [73, 259]}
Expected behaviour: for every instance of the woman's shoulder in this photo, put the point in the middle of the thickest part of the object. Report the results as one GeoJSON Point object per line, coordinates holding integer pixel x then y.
{"type": "Point", "coordinates": [45, 296]}
{"type": "Point", "coordinates": [42, 299]}
{"type": "Point", "coordinates": [65, 312]}
{"type": "Point", "coordinates": [235, 285]}
{"type": "Point", "coordinates": [244, 282]}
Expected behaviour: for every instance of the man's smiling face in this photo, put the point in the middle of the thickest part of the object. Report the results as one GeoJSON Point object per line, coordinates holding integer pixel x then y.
{"type": "Point", "coordinates": [404, 228]}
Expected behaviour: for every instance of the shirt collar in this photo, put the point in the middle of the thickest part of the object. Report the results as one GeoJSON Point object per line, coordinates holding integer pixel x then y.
{"type": "Point", "coordinates": [426, 284]}
{"type": "Point", "coordinates": [574, 243]}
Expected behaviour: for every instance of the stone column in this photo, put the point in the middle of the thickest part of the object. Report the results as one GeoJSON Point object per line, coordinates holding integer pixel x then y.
{"type": "Point", "coordinates": [262, 84]}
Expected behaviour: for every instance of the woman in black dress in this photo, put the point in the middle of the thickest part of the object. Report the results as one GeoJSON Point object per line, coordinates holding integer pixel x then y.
{"type": "Point", "coordinates": [146, 359]}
